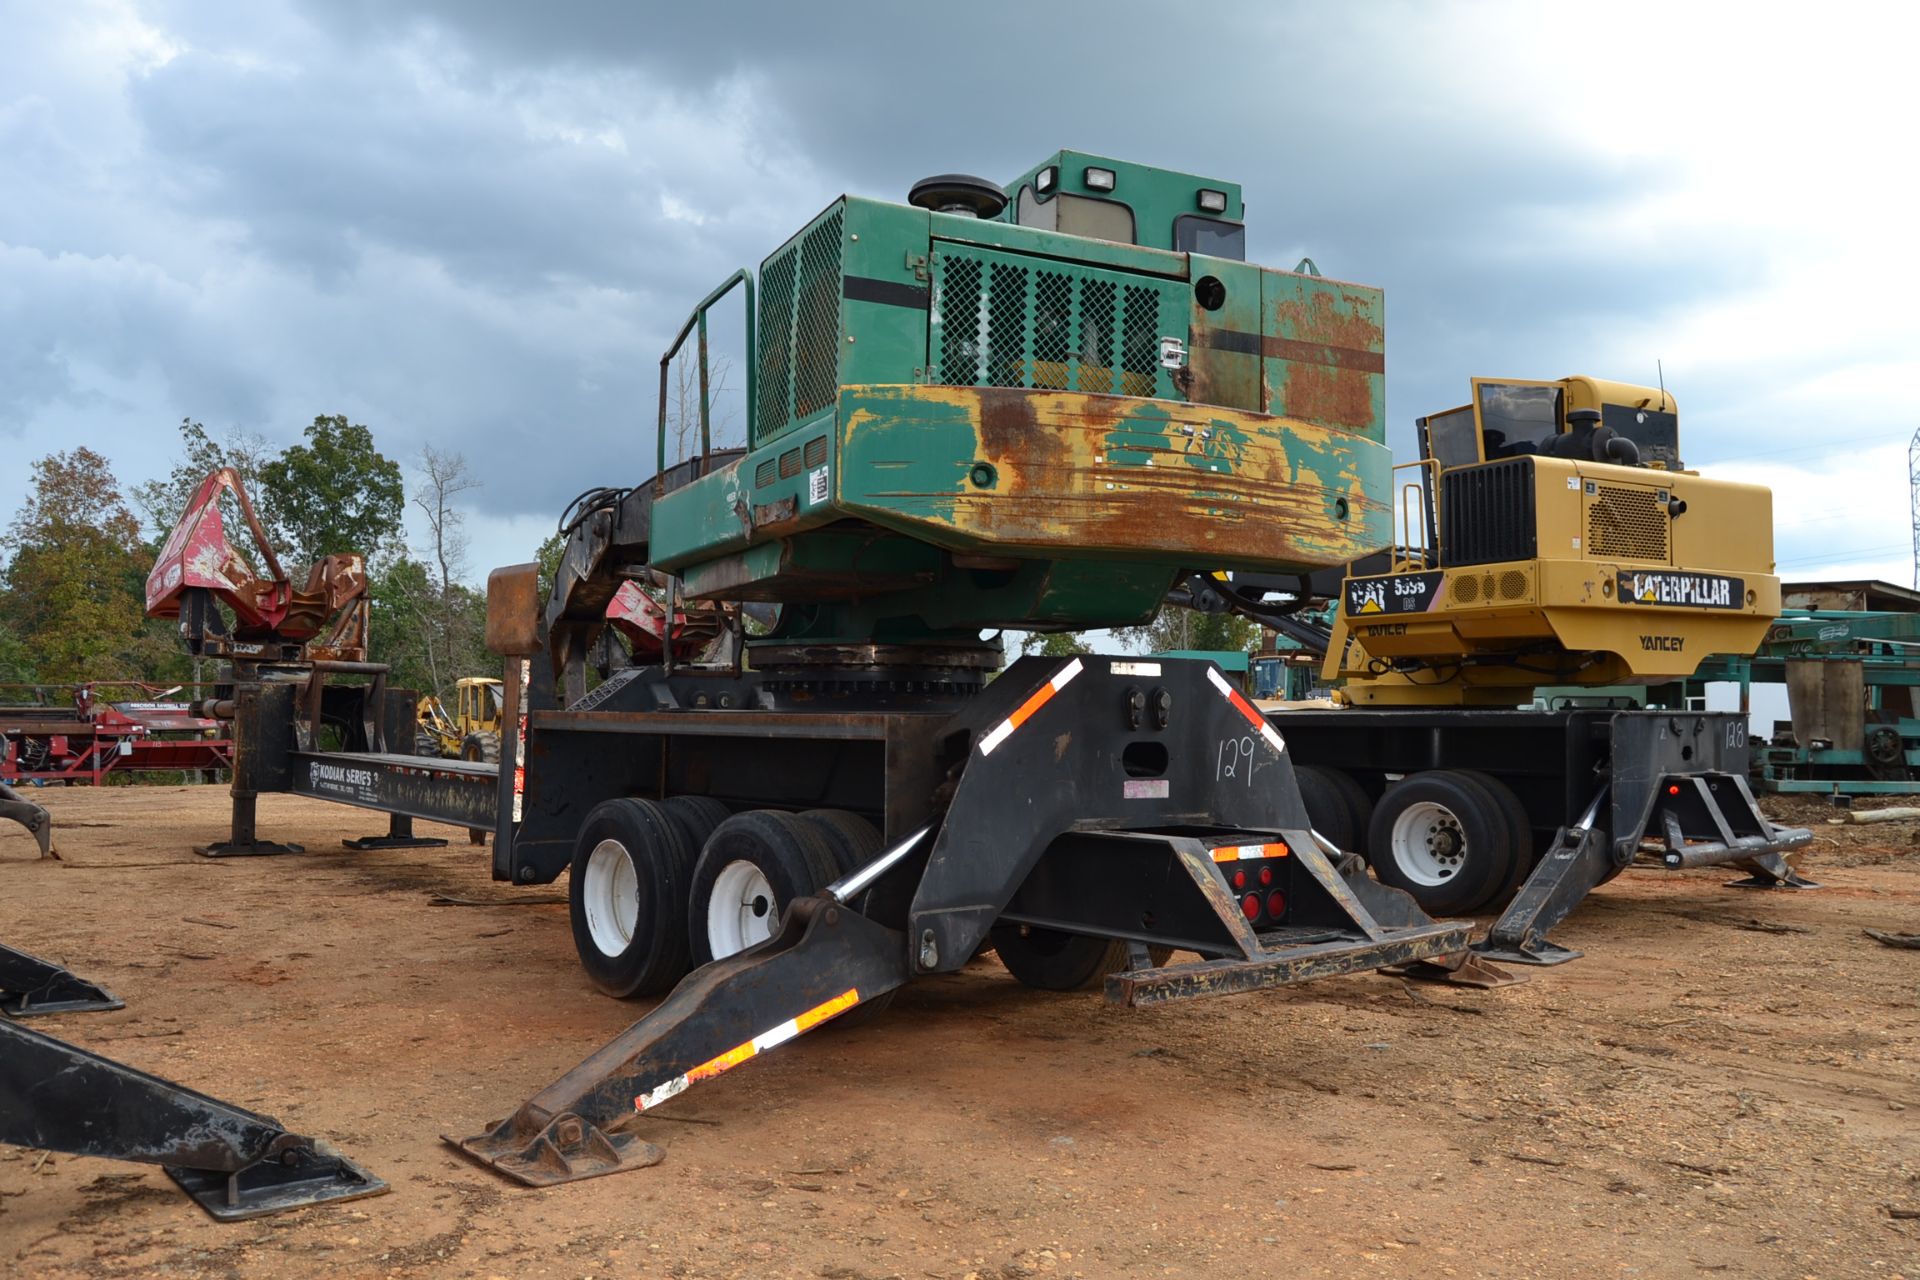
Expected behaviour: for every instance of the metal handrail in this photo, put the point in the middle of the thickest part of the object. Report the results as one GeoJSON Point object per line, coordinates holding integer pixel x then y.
{"type": "Point", "coordinates": [698, 320]}
{"type": "Point", "coordinates": [1416, 520]}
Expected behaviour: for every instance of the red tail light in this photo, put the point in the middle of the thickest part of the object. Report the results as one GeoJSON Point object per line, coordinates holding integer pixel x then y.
{"type": "Point", "coordinates": [1251, 906]}
{"type": "Point", "coordinates": [1276, 904]}
{"type": "Point", "coordinates": [1266, 875]}
{"type": "Point", "coordinates": [1239, 880]}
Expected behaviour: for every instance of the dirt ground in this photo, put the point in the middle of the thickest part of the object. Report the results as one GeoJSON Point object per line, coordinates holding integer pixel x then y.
{"type": "Point", "coordinates": [1728, 1083]}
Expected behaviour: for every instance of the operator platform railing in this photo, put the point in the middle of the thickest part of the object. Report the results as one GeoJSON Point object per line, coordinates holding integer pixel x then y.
{"type": "Point", "coordinates": [1415, 546]}
{"type": "Point", "coordinates": [697, 321]}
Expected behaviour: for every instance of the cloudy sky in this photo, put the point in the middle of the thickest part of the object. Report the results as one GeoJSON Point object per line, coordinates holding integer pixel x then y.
{"type": "Point", "coordinates": [476, 223]}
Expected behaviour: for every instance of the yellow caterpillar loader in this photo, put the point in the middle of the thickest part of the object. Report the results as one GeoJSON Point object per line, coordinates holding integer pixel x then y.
{"type": "Point", "coordinates": [472, 732]}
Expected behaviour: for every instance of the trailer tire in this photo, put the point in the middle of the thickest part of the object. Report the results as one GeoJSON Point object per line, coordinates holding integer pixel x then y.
{"type": "Point", "coordinates": [627, 897]}
{"type": "Point", "coordinates": [1327, 810]}
{"type": "Point", "coordinates": [751, 867]}
{"type": "Point", "coordinates": [1053, 960]}
{"type": "Point", "coordinates": [481, 746]}
{"type": "Point", "coordinates": [1359, 808]}
{"type": "Point", "coordinates": [1519, 826]}
{"type": "Point", "coordinates": [697, 816]}
{"type": "Point", "coordinates": [855, 842]}
{"type": "Point", "coordinates": [1443, 838]}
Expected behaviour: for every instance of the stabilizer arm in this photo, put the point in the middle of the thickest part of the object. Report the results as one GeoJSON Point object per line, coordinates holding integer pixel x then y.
{"type": "Point", "coordinates": [234, 1163]}
{"type": "Point", "coordinates": [826, 959]}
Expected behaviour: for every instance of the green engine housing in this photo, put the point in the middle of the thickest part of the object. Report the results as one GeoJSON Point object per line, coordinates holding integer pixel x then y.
{"type": "Point", "coordinates": [959, 423]}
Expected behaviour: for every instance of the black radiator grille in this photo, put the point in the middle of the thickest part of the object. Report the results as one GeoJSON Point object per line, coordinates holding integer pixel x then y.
{"type": "Point", "coordinates": [1486, 513]}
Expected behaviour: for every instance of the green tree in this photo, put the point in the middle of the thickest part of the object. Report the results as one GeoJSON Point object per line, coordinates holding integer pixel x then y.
{"type": "Point", "coordinates": [335, 493]}
{"type": "Point", "coordinates": [1177, 627]}
{"type": "Point", "coordinates": [1053, 644]}
{"type": "Point", "coordinates": [75, 568]}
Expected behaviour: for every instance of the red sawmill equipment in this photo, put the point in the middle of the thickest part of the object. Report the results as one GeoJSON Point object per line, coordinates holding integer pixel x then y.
{"type": "Point", "coordinates": [200, 567]}
{"type": "Point", "coordinates": [74, 735]}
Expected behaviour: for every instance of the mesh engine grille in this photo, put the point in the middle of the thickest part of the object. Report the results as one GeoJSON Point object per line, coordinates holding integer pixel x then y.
{"type": "Point", "coordinates": [1487, 514]}
{"type": "Point", "coordinates": [1627, 522]}
{"type": "Point", "coordinates": [816, 331]}
{"type": "Point", "coordinates": [1007, 325]}
{"type": "Point", "coordinates": [776, 344]}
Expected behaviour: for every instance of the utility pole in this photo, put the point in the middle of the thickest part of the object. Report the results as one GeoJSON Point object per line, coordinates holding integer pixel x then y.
{"type": "Point", "coordinates": [1913, 495]}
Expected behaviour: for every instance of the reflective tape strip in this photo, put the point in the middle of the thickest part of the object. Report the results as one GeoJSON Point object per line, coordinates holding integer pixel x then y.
{"type": "Point", "coordinates": [1002, 731]}
{"type": "Point", "coordinates": [1241, 852]}
{"type": "Point", "coordinates": [1268, 733]}
{"type": "Point", "coordinates": [740, 1053]}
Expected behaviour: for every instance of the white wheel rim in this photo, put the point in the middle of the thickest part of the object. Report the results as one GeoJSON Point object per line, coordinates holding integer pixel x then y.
{"type": "Point", "coordinates": [741, 910]}
{"type": "Point", "coordinates": [611, 895]}
{"type": "Point", "coordinates": [1429, 845]}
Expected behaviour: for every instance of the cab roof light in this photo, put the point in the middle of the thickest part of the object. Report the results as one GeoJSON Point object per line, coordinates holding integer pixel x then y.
{"type": "Point", "coordinates": [1099, 179]}
{"type": "Point", "coordinates": [1212, 201]}
{"type": "Point", "coordinates": [1043, 181]}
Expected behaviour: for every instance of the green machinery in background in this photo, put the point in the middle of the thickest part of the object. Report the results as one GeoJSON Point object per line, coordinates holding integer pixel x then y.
{"type": "Point", "coordinates": [1851, 678]}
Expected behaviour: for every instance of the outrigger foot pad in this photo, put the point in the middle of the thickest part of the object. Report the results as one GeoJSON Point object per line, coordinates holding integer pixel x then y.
{"type": "Point", "coordinates": [30, 986]}
{"type": "Point", "coordinates": [1536, 952]}
{"type": "Point", "coordinates": [367, 843]}
{"type": "Point", "coordinates": [1466, 969]}
{"type": "Point", "coordinates": [235, 1163]}
{"type": "Point", "coordinates": [567, 1149]}
{"type": "Point", "coordinates": [253, 849]}
{"type": "Point", "coordinates": [320, 1175]}
{"type": "Point", "coordinates": [1771, 871]}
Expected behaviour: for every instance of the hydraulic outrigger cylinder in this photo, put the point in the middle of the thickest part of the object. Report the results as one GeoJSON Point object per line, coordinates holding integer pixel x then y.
{"type": "Point", "coordinates": [234, 1163]}
{"type": "Point", "coordinates": [1092, 797]}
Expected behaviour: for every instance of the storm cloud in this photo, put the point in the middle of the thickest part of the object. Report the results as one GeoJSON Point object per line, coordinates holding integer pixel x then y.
{"type": "Point", "coordinates": [476, 224]}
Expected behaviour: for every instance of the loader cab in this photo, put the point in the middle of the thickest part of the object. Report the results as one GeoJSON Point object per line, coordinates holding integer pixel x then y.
{"type": "Point", "coordinates": [1513, 418]}
{"type": "Point", "coordinates": [1106, 199]}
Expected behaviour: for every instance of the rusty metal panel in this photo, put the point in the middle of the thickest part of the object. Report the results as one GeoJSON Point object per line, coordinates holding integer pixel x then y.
{"type": "Point", "coordinates": [982, 468]}
{"type": "Point", "coordinates": [1226, 363]}
{"type": "Point", "coordinates": [1324, 343]}
{"type": "Point", "coordinates": [513, 610]}
{"type": "Point", "coordinates": [1828, 698]}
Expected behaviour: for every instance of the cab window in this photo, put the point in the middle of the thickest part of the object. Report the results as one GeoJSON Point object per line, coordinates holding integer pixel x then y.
{"type": "Point", "coordinates": [1517, 419]}
{"type": "Point", "coordinates": [1451, 439]}
{"type": "Point", "coordinates": [1211, 236]}
{"type": "Point", "coordinates": [1095, 219]}
{"type": "Point", "coordinates": [1657, 434]}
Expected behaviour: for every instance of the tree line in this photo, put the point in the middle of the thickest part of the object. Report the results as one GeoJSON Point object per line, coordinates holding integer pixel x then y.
{"type": "Point", "coordinates": [75, 557]}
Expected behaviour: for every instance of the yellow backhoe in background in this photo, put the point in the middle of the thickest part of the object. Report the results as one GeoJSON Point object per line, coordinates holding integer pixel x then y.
{"type": "Point", "coordinates": [472, 732]}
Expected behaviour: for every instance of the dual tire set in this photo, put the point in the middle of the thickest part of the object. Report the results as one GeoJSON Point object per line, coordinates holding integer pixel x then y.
{"type": "Point", "coordinates": [659, 887]}
{"type": "Point", "coordinates": [1459, 841]}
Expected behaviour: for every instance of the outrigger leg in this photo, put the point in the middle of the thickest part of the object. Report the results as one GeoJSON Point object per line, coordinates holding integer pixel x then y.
{"type": "Point", "coordinates": [30, 985]}
{"type": "Point", "coordinates": [36, 820]}
{"type": "Point", "coordinates": [826, 959]}
{"type": "Point", "coordinates": [1703, 820]}
{"type": "Point", "coordinates": [234, 1163]}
